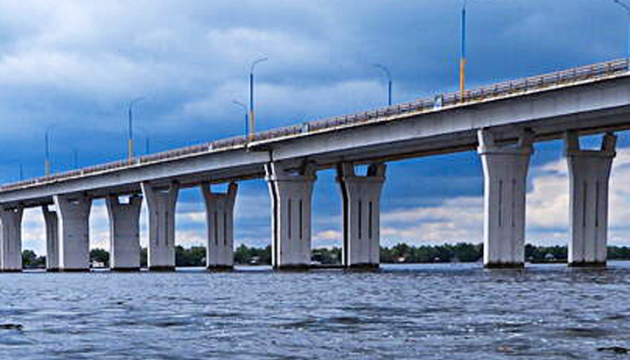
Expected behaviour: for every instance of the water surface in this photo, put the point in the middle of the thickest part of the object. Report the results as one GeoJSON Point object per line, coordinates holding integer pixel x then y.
{"type": "Point", "coordinates": [402, 312]}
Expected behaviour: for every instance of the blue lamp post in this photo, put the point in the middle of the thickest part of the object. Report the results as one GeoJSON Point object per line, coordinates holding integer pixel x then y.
{"type": "Point", "coordinates": [244, 107]}
{"type": "Point", "coordinates": [130, 120]}
{"type": "Point", "coordinates": [388, 74]}
{"type": "Point", "coordinates": [252, 116]}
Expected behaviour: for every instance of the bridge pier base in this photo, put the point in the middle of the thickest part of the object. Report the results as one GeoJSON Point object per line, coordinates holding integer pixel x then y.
{"type": "Point", "coordinates": [161, 206]}
{"type": "Point", "coordinates": [124, 233]}
{"type": "Point", "coordinates": [291, 191]}
{"type": "Point", "coordinates": [505, 174]}
{"type": "Point", "coordinates": [52, 239]}
{"type": "Point", "coordinates": [11, 240]}
{"type": "Point", "coordinates": [589, 174]}
{"type": "Point", "coordinates": [74, 232]}
{"type": "Point", "coordinates": [361, 197]}
{"type": "Point", "coordinates": [220, 227]}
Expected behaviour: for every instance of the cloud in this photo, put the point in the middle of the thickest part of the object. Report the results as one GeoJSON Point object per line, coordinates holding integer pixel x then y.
{"type": "Point", "coordinates": [458, 219]}
{"type": "Point", "coordinates": [461, 218]}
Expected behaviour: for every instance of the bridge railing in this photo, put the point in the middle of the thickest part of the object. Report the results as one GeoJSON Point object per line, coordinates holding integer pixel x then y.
{"type": "Point", "coordinates": [439, 102]}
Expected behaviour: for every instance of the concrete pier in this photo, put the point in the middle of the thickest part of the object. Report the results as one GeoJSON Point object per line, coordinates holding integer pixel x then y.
{"type": "Point", "coordinates": [161, 205]}
{"type": "Point", "coordinates": [74, 232]}
{"type": "Point", "coordinates": [589, 174]}
{"type": "Point", "coordinates": [52, 239]}
{"type": "Point", "coordinates": [361, 196]}
{"type": "Point", "coordinates": [124, 233]}
{"type": "Point", "coordinates": [291, 190]}
{"type": "Point", "coordinates": [11, 240]}
{"type": "Point", "coordinates": [220, 227]}
{"type": "Point", "coordinates": [505, 174]}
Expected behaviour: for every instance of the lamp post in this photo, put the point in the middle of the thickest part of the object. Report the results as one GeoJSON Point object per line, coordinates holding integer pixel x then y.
{"type": "Point", "coordinates": [75, 156]}
{"type": "Point", "coordinates": [47, 150]}
{"type": "Point", "coordinates": [244, 107]}
{"type": "Point", "coordinates": [627, 9]}
{"type": "Point", "coordinates": [388, 74]}
{"type": "Point", "coordinates": [252, 117]}
{"type": "Point", "coordinates": [462, 60]}
{"type": "Point", "coordinates": [147, 139]}
{"type": "Point", "coordinates": [130, 118]}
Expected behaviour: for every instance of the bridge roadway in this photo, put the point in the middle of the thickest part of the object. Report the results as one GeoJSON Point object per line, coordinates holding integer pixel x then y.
{"type": "Point", "coordinates": [501, 121]}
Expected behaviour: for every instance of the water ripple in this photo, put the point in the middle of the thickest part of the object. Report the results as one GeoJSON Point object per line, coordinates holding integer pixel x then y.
{"type": "Point", "coordinates": [402, 312]}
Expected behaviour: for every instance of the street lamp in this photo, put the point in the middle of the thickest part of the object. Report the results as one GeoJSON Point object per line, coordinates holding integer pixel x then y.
{"type": "Point", "coordinates": [388, 74]}
{"type": "Point", "coordinates": [244, 107]}
{"type": "Point", "coordinates": [130, 117]}
{"type": "Point", "coordinates": [627, 9]}
{"type": "Point", "coordinates": [252, 116]}
{"type": "Point", "coordinates": [47, 149]}
{"type": "Point", "coordinates": [462, 60]}
{"type": "Point", "coordinates": [147, 139]}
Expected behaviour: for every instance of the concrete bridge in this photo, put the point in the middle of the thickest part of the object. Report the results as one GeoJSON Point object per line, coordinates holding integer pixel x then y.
{"type": "Point", "coordinates": [500, 121]}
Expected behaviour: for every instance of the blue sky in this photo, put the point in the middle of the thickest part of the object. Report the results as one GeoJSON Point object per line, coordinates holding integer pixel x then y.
{"type": "Point", "coordinates": [73, 66]}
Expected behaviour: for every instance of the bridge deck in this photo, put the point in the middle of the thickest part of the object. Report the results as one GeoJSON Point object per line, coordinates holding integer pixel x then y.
{"type": "Point", "coordinates": [268, 139]}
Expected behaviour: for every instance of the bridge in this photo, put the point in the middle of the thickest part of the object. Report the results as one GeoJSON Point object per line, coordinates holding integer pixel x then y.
{"type": "Point", "coordinates": [501, 122]}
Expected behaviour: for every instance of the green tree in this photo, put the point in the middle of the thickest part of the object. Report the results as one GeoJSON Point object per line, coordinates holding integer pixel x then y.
{"type": "Point", "coordinates": [100, 255]}
{"type": "Point", "coordinates": [194, 256]}
{"type": "Point", "coordinates": [29, 259]}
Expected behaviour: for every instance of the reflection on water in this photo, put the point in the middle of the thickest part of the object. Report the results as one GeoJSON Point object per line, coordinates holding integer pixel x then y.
{"type": "Point", "coordinates": [402, 312]}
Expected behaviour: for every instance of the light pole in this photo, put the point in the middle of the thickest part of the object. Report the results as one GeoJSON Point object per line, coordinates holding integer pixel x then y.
{"type": "Point", "coordinates": [462, 60]}
{"type": "Point", "coordinates": [130, 118]}
{"type": "Point", "coordinates": [147, 139]}
{"type": "Point", "coordinates": [47, 149]}
{"type": "Point", "coordinates": [252, 116]}
{"type": "Point", "coordinates": [388, 74]}
{"type": "Point", "coordinates": [627, 9]}
{"type": "Point", "coordinates": [244, 107]}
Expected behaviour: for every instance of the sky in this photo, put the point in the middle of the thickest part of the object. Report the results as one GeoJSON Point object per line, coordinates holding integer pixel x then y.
{"type": "Point", "coordinates": [70, 68]}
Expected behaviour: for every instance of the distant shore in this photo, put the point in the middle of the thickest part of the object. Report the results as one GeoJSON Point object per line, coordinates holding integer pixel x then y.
{"type": "Point", "coordinates": [331, 257]}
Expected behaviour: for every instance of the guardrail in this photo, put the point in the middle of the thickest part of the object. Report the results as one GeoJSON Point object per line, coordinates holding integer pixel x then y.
{"type": "Point", "coordinates": [508, 88]}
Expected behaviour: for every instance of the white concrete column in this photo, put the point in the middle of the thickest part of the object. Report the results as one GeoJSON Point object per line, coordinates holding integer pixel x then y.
{"type": "Point", "coordinates": [505, 174]}
{"type": "Point", "coordinates": [124, 233]}
{"type": "Point", "coordinates": [161, 205]}
{"type": "Point", "coordinates": [52, 239]}
{"type": "Point", "coordinates": [291, 190]}
{"type": "Point", "coordinates": [220, 227]}
{"type": "Point", "coordinates": [589, 174]}
{"type": "Point", "coordinates": [361, 196]}
{"type": "Point", "coordinates": [74, 232]}
{"type": "Point", "coordinates": [11, 240]}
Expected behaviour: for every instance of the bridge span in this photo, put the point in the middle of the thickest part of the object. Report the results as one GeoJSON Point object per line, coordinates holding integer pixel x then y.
{"type": "Point", "coordinates": [501, 122]}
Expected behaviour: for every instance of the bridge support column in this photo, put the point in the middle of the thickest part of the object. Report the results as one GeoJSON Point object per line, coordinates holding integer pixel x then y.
{"type": "Point", "coordinates": [124, 233]}
{"type": "Point", "coordinates": [361, 197]}
{"type": "Point", "coordinates": [291, 191]}
{"type": "Point", "coordinates": [161, 206]}
{"type": "Point", "coordinates": [220, 227]}
{"type": "Point", "coordinates": [52, 239]}
{"type": "Point", "coordinates": [11, 240]}
{"type": "Point", "coordinates": [589, 173]}
{"type": "Point", "coordinates": [74, 232]}
{"type": "Point", "coordinates": [505, 174]}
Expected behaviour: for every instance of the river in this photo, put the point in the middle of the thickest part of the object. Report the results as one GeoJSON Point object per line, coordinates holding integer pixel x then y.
{"type": "Point", "coordinates": [457, 311]}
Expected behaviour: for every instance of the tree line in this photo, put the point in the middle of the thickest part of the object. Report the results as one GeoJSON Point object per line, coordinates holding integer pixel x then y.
{"type": "Point", "coordinates": [400, 253]}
